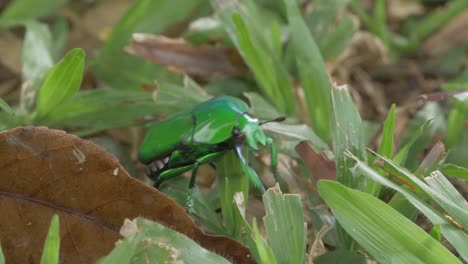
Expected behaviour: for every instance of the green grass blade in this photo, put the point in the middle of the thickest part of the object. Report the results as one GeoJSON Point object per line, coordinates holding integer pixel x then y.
{"type": "Point", "coordinates": [36, 55]}
{"type": "Point", "coordinates": [50, 255]}
{"type": "Point", "coordinates": [268, 71]}
{"type": "Point", "coordinates": [62, 81]}
{"type": "Point", "coordinates": [448, 197]}
{"type": "Point", "coordinates": [380, 21]}
{"type": "Point", "coordinates": [457, 210]}
{"type": "Point", "coordinates": [456, 236]}
{"type": "Point", "coordinates": [386, 146]}
{"type": "Point", "coordinates": [347, 134]}
{"type": "Point", "coordinates": [21, 11]}
{"type": "Point", "coordinates": [123, 71]}
{"type": "Point", "coordinates": [284, 223]}
{"type": "Point", "coordinates": [339, 38]}
{"type": "Point", "coordinates": [2, 257]}
{"type": "Point", "coordinates": [455, 124]}
{"type": "Point", "coordinates": [438, 19]}
{"type": "Point", "coordinates": [312, 71]}
{"type": "Point", "coordinates": [232, 179]}
{"type": "Point", "coordinates": [265, 253]}
{"type": "Point", "coordinates": [346, 128]}
{"type": "Point", "coordinates": [441, 185]}
{"type": "Point", "coordinates": [388, 236]}
{"type": "Point", "coordinates": [149, 242]}
{"type": "Point", "coordinates": [455, 171]}
{"type": "Point", "coordinates": [401, 156]}
{"type": "Point", "coordinates": [6, 107]}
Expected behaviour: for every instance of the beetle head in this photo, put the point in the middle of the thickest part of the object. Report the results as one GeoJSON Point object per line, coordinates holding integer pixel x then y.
{"type": "Point", "coordinates": [250, 128]}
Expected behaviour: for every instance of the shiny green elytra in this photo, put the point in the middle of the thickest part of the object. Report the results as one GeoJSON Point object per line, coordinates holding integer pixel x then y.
{"type": "Point", "coordinates": [200, 135]}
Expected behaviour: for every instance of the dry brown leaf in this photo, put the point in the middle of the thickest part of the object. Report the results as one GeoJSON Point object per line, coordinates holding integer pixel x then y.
{"type": "Point", "coordinates": [453, 34]}
{"type": "Point", "coordinates": [320, 166]}
{"type": "Point", "coordinates": [46, 172]}
{"type": "Point", "coordinates": [11, 47]}
{"type": "Point", "coordinates": [178, 55]}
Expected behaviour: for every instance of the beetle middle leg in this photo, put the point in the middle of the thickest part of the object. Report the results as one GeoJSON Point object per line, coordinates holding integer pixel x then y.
{"type": "Point", "coordinates": [250, 172]}
{"type": "Point", "coordinates": [273, 158]}
{"type": "Point", "coordinates": [205, 159]}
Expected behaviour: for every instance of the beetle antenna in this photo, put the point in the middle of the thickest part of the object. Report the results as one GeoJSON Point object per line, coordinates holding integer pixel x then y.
{"type": "Point", "coordinates": [278, 119]}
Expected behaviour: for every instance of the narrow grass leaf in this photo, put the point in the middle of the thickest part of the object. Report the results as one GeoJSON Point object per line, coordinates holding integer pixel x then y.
{"type": "Point", "coordinates": [20, 11]}
{"type": "Point", "coordinates": [6, 107]}
{"type": "Point", "coordinates": [388, 236]}
{"type": "Point", "coordinates": [438, 19]}
{"type": "Point", "coordinates": [386, 146]}
{"type": "Point", "coordinates": [268, 71]}
{"type": "Point", "coordinates": [455, 124]}
{"type": "Point", "coordinates": [262, 109]}
{"type": "Point", "coordinates": [448, 197]}
{"type": "Point", "coordinates": [402, 155]}
{"type": "Point", "coordinates": [36, 55]}
{"type": "Point", "coordinates": [62, 81]}
{"type": "Point", "coordinates": [2, 257]}
{"type": "Point", "coordinates": [265, 253]}
{"type": "Point", "coordinates": [100, 109]}
{"type": "Point", "coordinates": [456, 236]}
{"type": "Point", "coordinates": [381, 21]}
{"type": "Point", "coordinates": [459, 211]}
{"type": "Point", "coordinates": [50, 255]}
{"type": "Point", "coordinates": [312, 71]}
{"type": "Point", "coordinates": [285, 226]}
{"type": "Point", "coordinates": [149, 242]}
{"type": "Point", "coordinates": [232, 179]}
{"type": "Point", "coordinates": [338, 38]}
{"type": "Point", "coordinates": [347, 134]}
{"type": "Point", "coordinates": [59, 32]}
{"type": "Point", "coordinates": [287, 137]}
{"type": "Point", "coordinates": [339, 255]}
{"type": "Point", "coordinates": [123, 71]}
{"type": "Point", "coordinates": [455, 171]}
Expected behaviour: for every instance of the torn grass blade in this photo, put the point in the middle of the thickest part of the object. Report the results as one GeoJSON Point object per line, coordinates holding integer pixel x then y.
{"type": "Point", "coordinates": [284, 222]}
{"type": "Point", "coordinates": [149, 242]}
{"type": "Point", "coordinates": [387, 235]}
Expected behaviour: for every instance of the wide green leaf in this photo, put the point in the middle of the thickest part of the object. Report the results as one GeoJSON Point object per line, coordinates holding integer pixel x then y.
{"type": "Point", "coordinates": [50, 255]}
{"type": "Point", "coordinates": [387, 235]}
{"type": "Point", "coordinates": [285, 226]}
{"type": "Point", "coordinates": [149, 242]}
{"type": "Point", "coordinates": [452, 233]}
{"type": "Point", "coordinates": [62, 82]}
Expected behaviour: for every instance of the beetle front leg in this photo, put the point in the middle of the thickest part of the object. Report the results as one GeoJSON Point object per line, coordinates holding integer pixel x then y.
{"type": "Point", "coordinates": [250, 172]}
{"type": "Point", "coordinates": [273, 158]}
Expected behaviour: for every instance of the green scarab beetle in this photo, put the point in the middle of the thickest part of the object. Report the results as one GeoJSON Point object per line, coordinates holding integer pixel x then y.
{"type": "Point", "coordinates": [200, 135]}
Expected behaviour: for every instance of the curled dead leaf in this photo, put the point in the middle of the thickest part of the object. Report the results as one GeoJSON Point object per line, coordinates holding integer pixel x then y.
{"type": "Point", "coordinates": [176, 54]}
{"type": "Point", "coordinates": [46, 172]}
{"type": "Point", "coordinates": [317, 163]}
